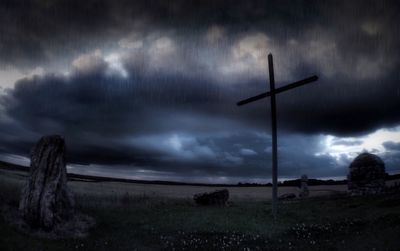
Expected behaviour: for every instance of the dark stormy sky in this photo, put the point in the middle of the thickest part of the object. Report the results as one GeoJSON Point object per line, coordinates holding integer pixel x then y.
{"type": "Point", "coordinates": [147, 89]}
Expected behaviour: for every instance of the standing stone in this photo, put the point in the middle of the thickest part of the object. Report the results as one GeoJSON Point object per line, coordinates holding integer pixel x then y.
{"type": "Point", "coordinates": [366, 175]}
{"type": "Point", "coordinates": [304, 192]}
{"type": "Point", "coordinates": [46, 200]}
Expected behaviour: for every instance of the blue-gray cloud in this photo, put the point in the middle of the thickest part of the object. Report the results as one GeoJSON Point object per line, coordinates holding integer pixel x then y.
{"type": "Point", "coordinates": [392, 146]}
{"type": "Point", "coordinates": [344, 142]}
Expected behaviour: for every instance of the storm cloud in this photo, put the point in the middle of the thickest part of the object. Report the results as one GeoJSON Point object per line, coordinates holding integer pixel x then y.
{"type": "Point", "coordinates": [153, 86]}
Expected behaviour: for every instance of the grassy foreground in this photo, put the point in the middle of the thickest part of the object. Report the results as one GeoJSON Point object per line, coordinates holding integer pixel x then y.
{"type": "Point", "coordinates": [150, 223]}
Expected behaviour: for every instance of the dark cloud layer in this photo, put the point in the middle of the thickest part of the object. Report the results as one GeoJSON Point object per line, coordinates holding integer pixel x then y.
{"type": "Point", "coordinates": [36, 31]}
{"type": "Point", "coordinates": [166, 102]}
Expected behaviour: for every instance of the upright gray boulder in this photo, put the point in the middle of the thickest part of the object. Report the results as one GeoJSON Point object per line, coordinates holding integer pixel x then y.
{"type": "Point", "coordinates": [46, 200]}
{"type": "Point", "coordinates": [304, 192]}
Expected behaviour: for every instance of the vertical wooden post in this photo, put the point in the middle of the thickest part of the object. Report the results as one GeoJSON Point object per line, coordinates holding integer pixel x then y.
{"type": "Point", "coordinates": [274, 138]}
{"type": "Point", "coordinates": [272, 93]}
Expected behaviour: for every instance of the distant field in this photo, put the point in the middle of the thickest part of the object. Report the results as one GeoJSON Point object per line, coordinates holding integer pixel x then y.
{"type": "Point", "coordinates": [118, 189]}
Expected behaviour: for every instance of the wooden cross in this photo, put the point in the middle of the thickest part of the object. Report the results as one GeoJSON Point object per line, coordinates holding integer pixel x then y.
{"type": "Point", "coordinates": [271, 94]}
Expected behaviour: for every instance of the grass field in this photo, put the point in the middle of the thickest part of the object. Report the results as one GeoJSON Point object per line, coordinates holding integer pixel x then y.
{"type": "Point", "coordinates": [161, 217]}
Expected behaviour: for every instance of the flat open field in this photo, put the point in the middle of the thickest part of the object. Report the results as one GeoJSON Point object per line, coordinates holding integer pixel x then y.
{"type": "Point", "coordinates": [118, 189]}
{"type": "Point", "coordinates": [164, 217]}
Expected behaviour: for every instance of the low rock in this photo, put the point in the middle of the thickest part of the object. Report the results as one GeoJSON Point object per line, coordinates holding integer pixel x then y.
{"type": "Point", "coordinates": [219, 197]}
{"type": "Point", "coordinates": [287, 196]}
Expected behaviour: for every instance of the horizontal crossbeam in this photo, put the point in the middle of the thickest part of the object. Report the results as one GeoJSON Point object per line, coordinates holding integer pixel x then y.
{"type": "Point", "coordinates": [279, 90]}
